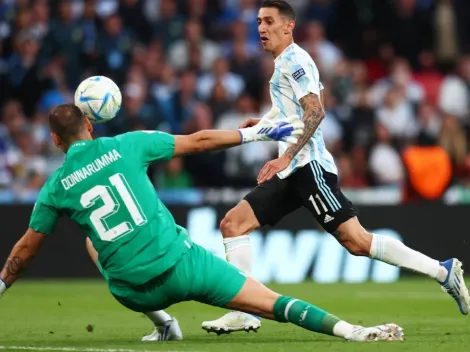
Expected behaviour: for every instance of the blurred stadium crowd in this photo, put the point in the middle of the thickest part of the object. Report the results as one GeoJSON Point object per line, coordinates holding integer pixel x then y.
{"type": "Point", "coordinates": [396, 72]}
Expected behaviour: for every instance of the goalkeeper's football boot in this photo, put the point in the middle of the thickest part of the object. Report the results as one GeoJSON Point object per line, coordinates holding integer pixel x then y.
{"type": "Point", "coordinates": [168, 331]}
{"type": "Point", "coordinates": [231, 322]}
{"type": "Point", "coordinates": [454, 284]}
{"type": "Point", "coordinates": [388, 332]}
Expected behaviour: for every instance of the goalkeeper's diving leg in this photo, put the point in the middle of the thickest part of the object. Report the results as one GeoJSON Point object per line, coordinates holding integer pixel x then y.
{"type": "Point", "coordinates": [201, 276]}
{"type": "Point", "coordinates": [166, 327]}
{"type": "Point", "coordinates": [257, 299]}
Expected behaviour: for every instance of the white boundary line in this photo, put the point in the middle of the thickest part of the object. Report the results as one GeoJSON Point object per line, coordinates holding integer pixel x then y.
{"type": "Point", "coordinates": [71, 349]}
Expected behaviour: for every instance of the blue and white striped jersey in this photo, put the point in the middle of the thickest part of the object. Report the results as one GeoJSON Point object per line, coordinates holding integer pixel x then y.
{"type": "Point", "coordinates": [295, 76]}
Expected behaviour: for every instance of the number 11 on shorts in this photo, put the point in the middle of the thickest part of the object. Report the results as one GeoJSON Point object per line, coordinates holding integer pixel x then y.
{"type": "Point", "coordinates": [314, 203]}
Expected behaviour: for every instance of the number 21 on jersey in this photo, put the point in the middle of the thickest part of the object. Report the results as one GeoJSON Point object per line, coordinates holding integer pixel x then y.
{"type": "Point", "coordinates": [111, 205]}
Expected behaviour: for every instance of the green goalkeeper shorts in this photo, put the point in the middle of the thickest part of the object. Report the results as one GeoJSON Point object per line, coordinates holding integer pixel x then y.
{"type": "Point", "coordinates": [199, 276]}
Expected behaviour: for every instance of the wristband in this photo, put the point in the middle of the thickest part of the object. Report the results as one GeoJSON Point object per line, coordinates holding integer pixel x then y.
{"type": "Point", "coordinates": [3, 286]}
{"type": "Point", "coordinates": [245, 135]}
{"type": "Point", "coordinates": [250, 134]}
{"type": "Point", "coordinates": [241, 136]}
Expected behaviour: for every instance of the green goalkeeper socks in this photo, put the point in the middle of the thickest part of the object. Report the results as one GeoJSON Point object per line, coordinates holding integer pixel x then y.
{"type": "Point", "coordinates": [305, 315]}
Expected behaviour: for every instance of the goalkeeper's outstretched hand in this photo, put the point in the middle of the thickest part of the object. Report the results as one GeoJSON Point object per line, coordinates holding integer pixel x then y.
{"type": "Point", "coordinates": [270, 128]}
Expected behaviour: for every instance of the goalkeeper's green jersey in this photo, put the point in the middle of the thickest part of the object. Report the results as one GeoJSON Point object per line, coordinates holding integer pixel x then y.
{"type": "Point", "coordinates": [103, 186]}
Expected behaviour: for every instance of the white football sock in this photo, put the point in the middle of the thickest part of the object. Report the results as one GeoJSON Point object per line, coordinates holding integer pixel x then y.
{"type": "Point", "coordinates": [343, 329]}
{"type": "Point", "coordinates": [158, 317]}
{"type": "Point", "coordinates": [238, 252]}
{"type": "Point", "coordinates": [392, 251]}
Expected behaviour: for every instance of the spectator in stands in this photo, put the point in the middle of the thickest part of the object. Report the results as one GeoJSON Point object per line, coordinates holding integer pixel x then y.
{"type": "Point", "coordinates": [89, 26]}
{"type": "Point", "coordinates": [330, 126]}
{"type": "Point", "coordinates": [28, 167]}
{"type": "Point", "coordinates": [328, 55]}
{"type": "Point", "coordinates": [63, 43]}
{"type": "Point", "coordinates": [247, 67]}
{"type": "Point", "coordinates": [23, 18]}
{"type": "Point", "coordinates": [409, 29]}
{"type": "Point", "coordinates": [178, 106]}
{"type": "Point", "coordinates": [400, 76]}
{"type": "Point", "coordinates": [397, 115]}
{"type": "Point", "coordinates": [138, 107]}
{"type": "Point", "coordinates": [348, 177]}
{"type": "Point", "coordinates": [114, 48]}
{"type": "Point", "coordinates": [247, 11]}
{"type": "Point", "coordinates": [5, 174]}
{"type": "Point", "coordinates": [58, 92]}
{"type": "Point", "coordinates": [360, 131]}
{"type": "Point", "coordinates": [430, 124]}
{"type": "Point", "coordinates": [164, 87]}
{"type": "Point", "coordinates": [23, 78]}
{"type": "Point", "coordinates": [446, 31]}
{"type": "Point", "coordinates": [233, 83]}
{"type": "Point", "coordinates": [131, 13]}
{"type": "Point", "coordinates": [342, 82]}
{"type": "Point", "coordinates": [384, 161]}
{"type": "Point", "coordinates": [378, 66]}
{"type": "Point", "coordinates": [454, 98]}
{"type": "Point", "coordinates": [243, 164]}
{"type": "Point", "coordinates": [174, 176]}
{"type": "Point", "coordinates": [13, 119]}
{"type": "Point", "coordinates": [360, 164]}
{"type": "Point", "coordinates": [219, 101]}
{"type": "Point", "coordinates": [428, 76]}
{"type": "Point", "coordinates": [266, 103]}
{"type": "Point", "coordinates": [319, 10]}
{"type": "Point", "coordinates": [204, 12]}
{"type": "Point", "coordinates": [453, 140]}
{"type": "Point", "coordinates": [359, 75]}
{"type": "Point", "coordinates": [41, 17]}
{"type": "Point", "coordinates": [169, 27]}
{"type": "Point", "coordinates": [179, 51]}
{"type": "Point", "coordinates": [239, 37]}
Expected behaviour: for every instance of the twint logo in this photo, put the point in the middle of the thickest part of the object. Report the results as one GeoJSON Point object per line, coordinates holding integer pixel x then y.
{"type": "Point", "coordinates": [285, 256]}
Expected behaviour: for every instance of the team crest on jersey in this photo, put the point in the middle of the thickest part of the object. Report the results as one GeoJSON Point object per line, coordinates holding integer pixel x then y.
{"type": "Point", "coordinates": [299, 73]}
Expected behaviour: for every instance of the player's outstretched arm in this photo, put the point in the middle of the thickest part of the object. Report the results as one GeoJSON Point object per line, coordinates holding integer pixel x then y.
{"type": "Point", "coordinates": [286, 130]}
{"type": "Point", "coordinates": [21, 254]}
{"type": "Point", "coordinates": [206, 140]}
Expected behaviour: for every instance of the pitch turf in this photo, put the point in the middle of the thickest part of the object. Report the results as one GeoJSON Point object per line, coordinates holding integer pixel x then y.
{"type": "Point", "coordinates": [81, 315]}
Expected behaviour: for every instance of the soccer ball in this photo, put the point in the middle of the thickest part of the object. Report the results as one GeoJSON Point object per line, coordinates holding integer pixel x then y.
{"type": "Point", "coordinates": [99, 98]}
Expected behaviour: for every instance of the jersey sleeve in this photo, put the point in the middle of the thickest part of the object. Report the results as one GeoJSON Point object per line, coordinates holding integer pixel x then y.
{"type": "Point", "coordinates": [150, 146]}
{"type": "Point", "coordinates": [45, 215]}
{"type": "Point", "coordinates": [302, 75]}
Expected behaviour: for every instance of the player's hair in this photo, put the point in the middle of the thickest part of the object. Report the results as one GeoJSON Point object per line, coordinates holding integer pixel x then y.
{"type": "Point", "coordinates": [67, 122]}
{"type": "Point", "coordinates": [284, 8]}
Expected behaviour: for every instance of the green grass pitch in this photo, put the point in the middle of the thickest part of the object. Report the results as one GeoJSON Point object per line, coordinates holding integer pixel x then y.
{"type": "Point", "coordinates": [57, 316]}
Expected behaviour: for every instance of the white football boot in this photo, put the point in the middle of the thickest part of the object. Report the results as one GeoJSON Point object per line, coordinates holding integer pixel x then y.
{"type": "Point", "coordinates": [455, 286]}
{"type": "Point", "coordinates": [388, 332]}
{"type": "Point", "coordinates": [231, 322]}
{"type": "Point", "coordinates": [168, 331]}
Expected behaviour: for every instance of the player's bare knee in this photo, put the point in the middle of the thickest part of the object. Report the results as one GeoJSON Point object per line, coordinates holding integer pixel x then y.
{"type": "Point", "coordinates": [230, 227]}
{"type": "Point", "coordinates": [235, 224]}
{"type": "Point", "coordinates": [354, 248]}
